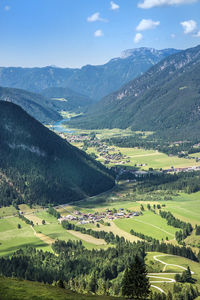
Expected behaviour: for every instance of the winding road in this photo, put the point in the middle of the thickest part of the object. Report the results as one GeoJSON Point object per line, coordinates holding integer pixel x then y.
{"type": "Point", "coordinates": [163, 279]}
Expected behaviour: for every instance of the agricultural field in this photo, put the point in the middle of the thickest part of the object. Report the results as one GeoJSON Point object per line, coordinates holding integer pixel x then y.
{"type": "Point", "coordinates": [142, 158]}
{"type": "Point", "coordinates": [149, 224]}
{"type": "Point", "coordinates": [195, 155]}
{"type": "Point", "coordinates": [41, 236]}
{"type": "Point", "coordinates": [186, 207]}
{"type": "Point", "coordinates": [145, 159]}
{"type": "Point", "coordinates": [12, 238]}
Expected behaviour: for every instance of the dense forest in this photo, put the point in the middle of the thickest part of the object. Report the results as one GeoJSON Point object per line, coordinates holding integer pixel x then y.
{"type": "Point", "coordinates": [82, 270]}
{"type": "Point", "coordinates": [187, 182]}
{"type": "Point", "coordinates": [37, 166]}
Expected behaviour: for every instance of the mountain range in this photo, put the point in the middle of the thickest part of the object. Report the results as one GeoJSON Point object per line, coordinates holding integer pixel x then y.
{"type": "Point", "coordinates": [36, 105]}
{"type": "Point", "coordinates": [37, 166]}
{"type": "Point", "coordinates": [66, 99]}
{"type": "Point", "coordinates": [165, 99]}
{"type": "Point", "coordinates": [93, 81]}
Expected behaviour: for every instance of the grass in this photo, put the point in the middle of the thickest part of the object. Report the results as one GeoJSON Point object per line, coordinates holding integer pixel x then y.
{"type": "Point", "coordinates": [56, 231]}
{"type": "Point", "coordinates": [148, 158]}
{"type": "Point", "coordinates": [15, 289]}
{"type": "Point", "coordinates": [195, 155]}
{"type": "Point", "coordinates": [193, 240]}
{"type": "Point", "coordinates": [149, 224]}
{"type": "Point", "coordinates": [26, 209]}
{"type": "Point", "coordinates": [44, 215]}
{"type": "Point", "coordinates": [186, 207]}
{"type": "Point", "coordinates": [87, 238]}
{"type": "Point", "coordinates": [117, 231]}
{"type": "Point", "coordinates": [7, 211]}
{"type": "Point", "coordinates": [12, 238]}
{"type": "Point", "coordinates": [154, 266]}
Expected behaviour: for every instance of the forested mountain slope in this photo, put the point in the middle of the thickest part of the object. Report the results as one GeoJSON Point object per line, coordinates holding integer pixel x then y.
{"type": "Point", "coordinates": [166, 99]}
{"type": "Point", "coordinates": [36, 105]}
{"type": "Point", "coordinates": [92, 81]}
{"type": "Point", "coordinates": [66, 99]}
{"type": "Point", "coordinates": [37, 166]}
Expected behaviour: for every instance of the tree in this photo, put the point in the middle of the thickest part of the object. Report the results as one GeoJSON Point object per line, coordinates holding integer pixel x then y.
{"type": "Point", "coordinates": [135, 283]}
{"type": "Point", "coordinates": [141, 207]}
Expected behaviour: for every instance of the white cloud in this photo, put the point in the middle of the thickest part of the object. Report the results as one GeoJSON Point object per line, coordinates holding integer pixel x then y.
{"type": "Point", "coordinates": [197, 34]}
{"type": "Point", "coordinates": [146, 24]}
{"type": "Point", "coordinates": [7, 8]}
{"type": "Point", "coordinates": [138, 37]}
{"type": "Point", "coordinates": [152, 3]}
{"type": "Point", "coordinates": [98, 33]}
{"type": "Point", "coordinates": [189, 26]}
{"type": "Point", "coordinates": [173, 36]}
{"type": "Point", "coordinates": [114, 6]}
{"type": "Point", "coordinates": [95, 17]}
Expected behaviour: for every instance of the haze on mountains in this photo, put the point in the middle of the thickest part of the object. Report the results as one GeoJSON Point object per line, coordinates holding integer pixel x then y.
{"type": "Point", "coordinates": [36, 105]}
{"type": "Point", "coordinates": [37, 166]}
{"type": "Point", "coordinates": [166, 99]}
{"type": "Point", "coordinates": [93, 81]}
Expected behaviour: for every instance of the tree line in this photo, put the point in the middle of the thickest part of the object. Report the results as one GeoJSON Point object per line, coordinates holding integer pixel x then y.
{"type": "Point", "coordinates": [172, 221]}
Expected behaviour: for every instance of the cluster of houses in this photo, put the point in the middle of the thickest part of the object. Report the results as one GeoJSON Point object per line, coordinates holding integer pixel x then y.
{"type": "Point", "coordinates": [187, 169]}
{"type": "Point", "coordinates": [101, 147]}
{"type": "Point", "coordinates": [72, 138]}
{"type": "Point", "coordinates": [83, 218]}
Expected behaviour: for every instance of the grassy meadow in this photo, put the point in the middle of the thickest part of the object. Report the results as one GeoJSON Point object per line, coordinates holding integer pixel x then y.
{"type": "Point", "coordinates": [149, 224]}
{"type": "Point", "coordinates": [12, 238]}
{"type": "Point", "coordinates": [146, 158]}
{"type": "Point", "coordinates": [15, 289]}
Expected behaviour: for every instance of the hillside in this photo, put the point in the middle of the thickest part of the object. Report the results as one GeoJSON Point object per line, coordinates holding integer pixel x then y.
{"type": "Point", "coordinates": [165, 99]}
{"type": "Point", "coordinates": [16, 289]}
{"type": "Point", "coordinates": [92, 81]}
{"type": "Point", "coordinates": [66, 99]}
{"type": "Point", "coordinates": [37, 166]}
{"type": "Point", "coordinates": [36, 105]}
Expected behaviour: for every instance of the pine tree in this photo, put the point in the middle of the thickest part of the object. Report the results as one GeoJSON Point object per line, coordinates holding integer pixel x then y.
{"type": "Point", "coordinates": [135, 283]}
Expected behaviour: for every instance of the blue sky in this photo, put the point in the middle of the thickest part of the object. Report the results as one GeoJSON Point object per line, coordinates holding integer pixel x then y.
{"type": "Point", "coordinates": [73, 33]}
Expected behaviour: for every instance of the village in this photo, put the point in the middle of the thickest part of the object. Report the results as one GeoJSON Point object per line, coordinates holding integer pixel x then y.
{"type": "Point", "coordinates": [112, 157]}
{"type": "Point", "coordinates": [99, 217]}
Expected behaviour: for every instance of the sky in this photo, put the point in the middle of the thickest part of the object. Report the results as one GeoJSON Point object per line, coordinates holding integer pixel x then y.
{"type": "Point", "coordinates": [74, 33]}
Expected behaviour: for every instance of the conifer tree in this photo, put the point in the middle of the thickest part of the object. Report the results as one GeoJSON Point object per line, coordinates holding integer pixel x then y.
{"type": "Point", "coordinates": [135, 283]}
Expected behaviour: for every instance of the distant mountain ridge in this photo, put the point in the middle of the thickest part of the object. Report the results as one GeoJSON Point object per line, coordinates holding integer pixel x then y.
{"type": "Point", "coordinates": [92, 81]}
{"type": "Point", "coordinates": [37, 166]}
{"type": "Point", "coordinates": [66, 99]}
{"type": "Point", "coordinates": [35, 104]}
{"type": "Point", "coordinates": [165, 99]}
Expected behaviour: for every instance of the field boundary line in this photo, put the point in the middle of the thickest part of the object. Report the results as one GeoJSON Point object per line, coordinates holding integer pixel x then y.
{"type": "Point", "coordinates": [154, 226]}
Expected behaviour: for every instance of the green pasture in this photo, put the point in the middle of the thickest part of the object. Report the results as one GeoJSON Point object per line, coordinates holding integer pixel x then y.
{"type": "Point", "coordinates": [184, 262]}
{"type": "Point", "coordinates": [154, 159]}
{"type": "Point", "coordinates": [56, 231]}
{"type": "Point", "coordinates": [16, 289]}
{"type": "Point", "coordinates": [26, 209]}
{"type": "Point", "coordinates": [7, 211]}
{"type": "Point", "coordinates": [193, 240]}
{"type": "Point", "coordinates": [186, 207]}
{"type": "Point", "coordinates": [195, 155]}
{"type": "Point", "coordinates": [149, 224]}
{"type": "Point", "coordinates": [147, 158]}
{"type": "Point", "coordinates": [12, 238]}
{"type": "Point", "coordinates": [44, 215]}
